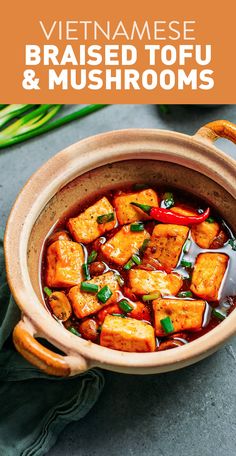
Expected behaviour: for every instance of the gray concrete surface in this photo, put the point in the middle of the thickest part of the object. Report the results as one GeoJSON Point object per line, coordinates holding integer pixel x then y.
{"type": "Point", "coordinates": [191, 412]}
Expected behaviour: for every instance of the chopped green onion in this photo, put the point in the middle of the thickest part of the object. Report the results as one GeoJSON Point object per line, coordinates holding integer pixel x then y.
{"type": "Point", "coordinates": [187, 246]}
{"type": "Point", "coordinates": [210, 220]}
{"type": "Point", "coordinates": [136, 259]}
{"type": "Point", "coordinates": [168, 200]}
{"type": "Point", "coordinates": [93, 255]}
{"type": "Point", "coordinates": [186, 264]}
{"type": "Point", "coordinates": [48, 291]}
{"type": "Point", "coordinates": [129, 265]}
{"type": "Point", "coordinates": [137, 227]}
{"type": "Point", "coordinates": [89, 287]}
{"type": "Point", "coordinates": [74, 331]}
{"type": "Point", "coordinates": [144, 246]}
{"type": "Point", "coordinates": [104, 294]}
{"type": "Point", "coordinates": [151, 297]}
{"type": "Point", "coordinates": [218, 313]}
{"type": "Point", "coordinates": [185, 294]}
{"type": "Point", "coordinates": [105, 218]}
{"type": "Point", "coordinates": [86, 272]}
{"type": "Point", "coordinates": [232, 243]}
{"type": "Point", "coordinates": [99, 328]}
{"type": "Point", "coordinates": [167, 325]}
{"type": "Point", "coordinates": [144, 207]}
{"type": "Point", "coordinates": [125, 306]}
{"type": "Point", "coordinates": [118, 315]}
{"type": "Point", "coordinates": [119, 279]}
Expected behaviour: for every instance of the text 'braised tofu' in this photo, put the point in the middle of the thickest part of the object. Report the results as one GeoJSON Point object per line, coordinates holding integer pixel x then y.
{"type": "Point", "coordinates": [64, 263]}
{"type": "Point", "coordinates": [84, 303]}
{"type": "Point", "coordinates": [127, 334]}
{"type": "Point", "coordinates": [203, 233]}
{"type": "Point", "coordinates": [85, 228]}
{"type": "Point", "coordinates": [124, 244]}
{"type": "Point", "coordinates": [185, 315]}
{"type": "Point", "coordinates": [208, 273]}
{"type": "Point", "coordinates": [166, 244]}
{"type": "Point", "coordinates": [126, 213]}
{"type": "Point", "coordinates": [145, 282]}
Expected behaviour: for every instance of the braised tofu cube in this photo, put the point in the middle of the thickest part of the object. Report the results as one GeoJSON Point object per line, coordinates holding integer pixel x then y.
{"type": "Point", "coordinates": [127, 334]}
{"type": "Point", "coordinates": [185, 315]}
{"type": "Point", "coordinates": [144, 282]}
{"type": "Point", "coordinates": [183, 211]}
{"type": "Point", "coordinates": [166, 244]}
{"type": "Point", "coordinates": [124, 244]}
{"type": "Point", "coordinates": [208, 273]}
{"type": "Point", "coordinates": [64, 264]}
{"type": "Point", "coordinates": [126, 213]}
{"type": "Point", "coordinates": [85, 227]}
{"type": "Point", "coordinates": [85, 304]}
{"type": "Point", "coordinates": [202, 233]}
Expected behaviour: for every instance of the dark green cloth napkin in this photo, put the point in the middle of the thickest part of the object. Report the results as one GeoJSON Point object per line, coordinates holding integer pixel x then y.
{"type": "Point", "coordinates": [35, 407]}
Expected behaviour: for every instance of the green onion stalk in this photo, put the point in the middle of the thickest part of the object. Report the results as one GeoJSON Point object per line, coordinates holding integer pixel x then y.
{"type": "Point", "coordinates": [20, 122]}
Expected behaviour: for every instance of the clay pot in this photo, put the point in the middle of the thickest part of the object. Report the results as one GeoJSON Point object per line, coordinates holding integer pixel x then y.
{"type": "Point", "coordinates": [153, 156]}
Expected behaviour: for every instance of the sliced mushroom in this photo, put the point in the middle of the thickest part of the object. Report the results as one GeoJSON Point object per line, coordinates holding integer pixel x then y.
{"type": "Point", "coordinates": [60, 305]}
{"type": "Point", "coordinates": [219, 240]}
{"type": "Point", "coordinates": [97, 268]}
{"type": "Point", "coordinates": [89, 329]}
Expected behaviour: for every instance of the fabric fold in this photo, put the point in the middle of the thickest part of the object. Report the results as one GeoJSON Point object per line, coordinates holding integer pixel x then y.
{"type": "Point", "coordinates": [35, 407]}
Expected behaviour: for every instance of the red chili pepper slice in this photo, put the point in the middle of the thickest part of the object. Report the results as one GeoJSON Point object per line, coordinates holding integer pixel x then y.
{"type": "Point", "coordinates": [167, 216]}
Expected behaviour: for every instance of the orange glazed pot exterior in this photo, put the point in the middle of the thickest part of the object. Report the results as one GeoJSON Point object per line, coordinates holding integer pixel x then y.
{"type": "Point", "coordinates": [110, 159]}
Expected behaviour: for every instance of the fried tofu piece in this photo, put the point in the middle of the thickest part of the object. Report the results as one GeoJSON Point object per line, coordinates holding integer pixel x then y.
{"type": "Point", "coordinates": [85, 227]}
{"type": "Point", "coordinates": [166, 244]}
{"type": "Point", "coordinates": [126, 213]}
{"type": "Point", "coordinates": [124, 244]}
{"type": "Point", "coordinates": [183, 211]}
{"type": "Point", "coordinates": [145, 282]}
{"type": "Point", "coordinates": [64, 264]}
{"type": "Point", "coordinates": [127, 334]}
{"type": "Point", "coordinates": [208, 274]}
{"type": "Point", "coordinates": [85, 304]}
{"type": "Point", "coordinates": [203, 233]}
{"type": "Point", "coordinates": [186, 315]}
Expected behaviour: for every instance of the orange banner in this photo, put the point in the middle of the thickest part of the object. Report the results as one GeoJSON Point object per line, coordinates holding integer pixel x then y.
{"type": "Point", "coordinates": [125, 52]}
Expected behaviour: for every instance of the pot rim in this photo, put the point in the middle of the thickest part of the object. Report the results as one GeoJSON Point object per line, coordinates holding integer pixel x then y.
{"type": "Point", "coordinates": [192, 152]}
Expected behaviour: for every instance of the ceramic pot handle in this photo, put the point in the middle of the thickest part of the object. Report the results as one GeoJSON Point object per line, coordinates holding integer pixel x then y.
{"type": "Point", "coordinates": [218, 129]}
{"type": "Point", "coordinates": [43, 358]}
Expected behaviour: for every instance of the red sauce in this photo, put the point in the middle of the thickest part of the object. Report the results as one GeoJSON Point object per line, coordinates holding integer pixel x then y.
{"type": "Point", "coordinates": [187, 201]}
